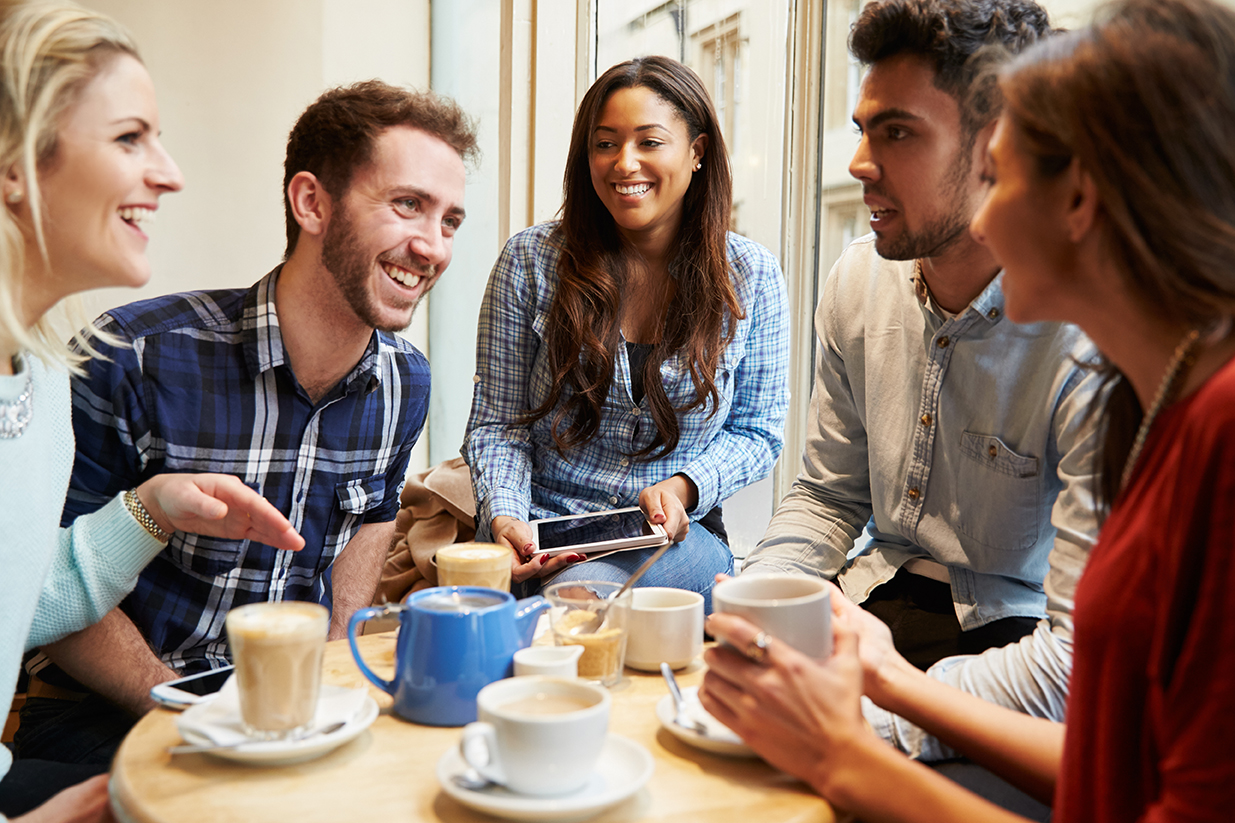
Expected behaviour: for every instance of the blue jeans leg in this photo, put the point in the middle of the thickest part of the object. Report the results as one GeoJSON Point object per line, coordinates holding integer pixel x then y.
{"type": "Point", "coordinates": [692, 564]}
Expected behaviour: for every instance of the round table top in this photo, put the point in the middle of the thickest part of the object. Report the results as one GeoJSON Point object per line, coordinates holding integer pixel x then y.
{"type": "Point", "coordinates": [388, 772]}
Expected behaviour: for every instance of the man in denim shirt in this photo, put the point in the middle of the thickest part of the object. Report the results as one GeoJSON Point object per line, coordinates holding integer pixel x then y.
{"type": "Point", "coordinates": [957, 438]}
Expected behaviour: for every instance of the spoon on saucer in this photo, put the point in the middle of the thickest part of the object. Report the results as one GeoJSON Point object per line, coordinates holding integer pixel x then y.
{"type": "Point", "coordinates": [679, 705]}
{"type": "Point", "coordinates": [471, 780]}
{"type": "Point", "coordinates": [194, 749]}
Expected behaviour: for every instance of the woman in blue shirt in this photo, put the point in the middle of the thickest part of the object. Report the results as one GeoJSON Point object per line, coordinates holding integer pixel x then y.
{"type": "Point", "coordinates": [634, 353]}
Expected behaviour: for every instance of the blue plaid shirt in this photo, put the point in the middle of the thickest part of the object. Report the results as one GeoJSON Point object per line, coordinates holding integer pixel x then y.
{"type": "Point", "coordinates": [206, 386]}
{"type": "Point", "coordinates": [515, 469]}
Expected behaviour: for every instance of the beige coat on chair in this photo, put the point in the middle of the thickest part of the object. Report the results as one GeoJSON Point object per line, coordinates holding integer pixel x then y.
{"type": "Point", "coordinates": [437, 509]}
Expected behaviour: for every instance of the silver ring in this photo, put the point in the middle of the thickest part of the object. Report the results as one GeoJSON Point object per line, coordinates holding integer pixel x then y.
{"type": "Point", "coordinates": [757, 649]}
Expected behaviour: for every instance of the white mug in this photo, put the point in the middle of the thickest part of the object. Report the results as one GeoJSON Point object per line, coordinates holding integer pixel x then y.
{"type": "Point", "coordinates": [792, 608]}
{"type": "Point", "coordinates": [537, 735]}
{"type": "Point", "coordinates": [665, 626]}
{"type": "Point", "coordinates": [548, 661]}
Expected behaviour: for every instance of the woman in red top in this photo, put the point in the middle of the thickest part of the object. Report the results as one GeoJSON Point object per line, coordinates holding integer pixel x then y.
{"type": "Point", "coordinates": [1112, 205]}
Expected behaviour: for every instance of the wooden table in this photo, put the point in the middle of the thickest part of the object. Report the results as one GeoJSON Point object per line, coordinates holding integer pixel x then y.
{"type": "Point", "coordinates": [388, 772]}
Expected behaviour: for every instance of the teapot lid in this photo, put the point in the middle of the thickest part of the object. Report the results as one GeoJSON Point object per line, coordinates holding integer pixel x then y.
{"type": "Point", "coordinates": [458, 599]}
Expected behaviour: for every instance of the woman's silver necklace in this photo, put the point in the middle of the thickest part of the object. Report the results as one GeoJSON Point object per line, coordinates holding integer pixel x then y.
{"type": "Point", "coordinates": [15, 414]}
{"type": "Point", "coordinates": [1181, 361]}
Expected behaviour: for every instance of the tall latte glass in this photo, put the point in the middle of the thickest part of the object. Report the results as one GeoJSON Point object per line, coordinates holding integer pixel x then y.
{"type": "Point", "coordinates": [474, 564]}
{"type": "Point", "coordinates": [277, 649]}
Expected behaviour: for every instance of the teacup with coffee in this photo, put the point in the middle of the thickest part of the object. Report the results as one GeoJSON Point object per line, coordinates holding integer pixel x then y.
{"type": "Point", "coordinates": [537, 735]}
{"type": "Point", "coordinates": [277, 649]}
{"type": "Point", "coordinates": [792, 608]}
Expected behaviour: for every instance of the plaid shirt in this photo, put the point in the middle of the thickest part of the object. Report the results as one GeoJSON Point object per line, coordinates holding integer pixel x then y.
{"type": "Point", "coordinates": [515, 469]}
{"type": "Point", "coordinates": [206, 386]}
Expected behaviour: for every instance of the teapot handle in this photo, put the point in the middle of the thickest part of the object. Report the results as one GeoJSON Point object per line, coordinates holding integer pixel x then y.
{"type": "Point", "coordinates": [353, 625]}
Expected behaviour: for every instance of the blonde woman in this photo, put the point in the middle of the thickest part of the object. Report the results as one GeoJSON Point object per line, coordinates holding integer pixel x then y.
{"type": "Point", "coordinates": [83, 169]}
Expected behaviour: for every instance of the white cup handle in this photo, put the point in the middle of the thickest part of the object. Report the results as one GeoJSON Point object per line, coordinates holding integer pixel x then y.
{"type": "Point", "coordinates": [478, 748]}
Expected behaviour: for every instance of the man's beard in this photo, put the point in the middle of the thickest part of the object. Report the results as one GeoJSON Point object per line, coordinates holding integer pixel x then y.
{"type": "Point", "coordinates": [936, 236]}
{"type": "Point", "coordinates": [347, 262]}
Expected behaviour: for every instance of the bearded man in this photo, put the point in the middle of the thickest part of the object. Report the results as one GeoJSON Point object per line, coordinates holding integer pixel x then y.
{"type": "Point", "coordinates": [946, 481]}
{"type": "Point", "coordinates": [297, 385]}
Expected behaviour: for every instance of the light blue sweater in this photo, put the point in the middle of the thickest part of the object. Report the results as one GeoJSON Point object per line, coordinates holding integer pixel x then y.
{"type": "Point", "coordinates": [54, 581]}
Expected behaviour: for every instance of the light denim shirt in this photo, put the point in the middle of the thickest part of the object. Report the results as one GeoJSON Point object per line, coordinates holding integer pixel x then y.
{"type": "Point", "coordinates": [515, 469]}
{"type": "Point", "coordinates": [963, 440]}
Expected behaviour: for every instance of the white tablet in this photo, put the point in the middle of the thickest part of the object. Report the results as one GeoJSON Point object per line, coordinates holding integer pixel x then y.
{"type": "Point", "coordinates": [607, 531]}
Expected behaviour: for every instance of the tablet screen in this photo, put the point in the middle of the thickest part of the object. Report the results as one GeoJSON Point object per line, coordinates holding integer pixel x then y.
{"type": "Point", "coordinates": [575, 531]}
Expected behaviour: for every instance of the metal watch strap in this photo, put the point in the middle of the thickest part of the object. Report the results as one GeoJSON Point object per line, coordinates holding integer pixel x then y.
{"type": "Point", "coordinates": [134, 504]}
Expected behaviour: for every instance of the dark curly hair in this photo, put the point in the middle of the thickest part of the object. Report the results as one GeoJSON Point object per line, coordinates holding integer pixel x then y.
{"type": "Point", "coordinates": [335, 134]}
{"type": "Point", "coordinates": [952, 35]}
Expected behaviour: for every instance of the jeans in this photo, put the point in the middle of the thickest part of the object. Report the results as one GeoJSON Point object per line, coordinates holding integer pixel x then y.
{"type": "Point", "coordinates": [66, 731]}
{"type": "Point", "coordinates": [31, 783]}
{"type": "Point", "coordinates": [692, 564]}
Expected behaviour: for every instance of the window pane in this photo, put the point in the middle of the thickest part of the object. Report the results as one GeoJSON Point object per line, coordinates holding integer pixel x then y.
{"type": "Point", "coordinates": [734, 46]}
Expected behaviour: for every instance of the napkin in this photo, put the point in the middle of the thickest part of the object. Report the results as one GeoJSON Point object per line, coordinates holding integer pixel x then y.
{"type": "Point", "coordinates": [219, 720]}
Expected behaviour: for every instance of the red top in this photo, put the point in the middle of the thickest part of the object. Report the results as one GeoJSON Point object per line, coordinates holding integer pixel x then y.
{"type": "Point", "coordinates": [1151, 709]}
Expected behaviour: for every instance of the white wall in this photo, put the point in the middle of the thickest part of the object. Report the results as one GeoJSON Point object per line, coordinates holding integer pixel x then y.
{"type": "Point", "coordinates": [231, 77]}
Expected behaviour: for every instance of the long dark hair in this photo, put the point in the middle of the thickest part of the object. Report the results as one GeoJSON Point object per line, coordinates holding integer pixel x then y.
{"type": "Point", "coordinates": [1145, 100]}
{"type": "Point", "coordinates": [583, 329]}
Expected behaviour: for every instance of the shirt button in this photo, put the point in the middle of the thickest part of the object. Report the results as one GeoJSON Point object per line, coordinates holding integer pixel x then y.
{"type": "Point", "coordinates": [993, 313]}
{"type": "Point", "coordinates": [635, 411]}
{"type": "Point", "coordinates": [624, 462]}
{"type": "Point", "coordinates": [613, 501]}
{"type": "Point", "coordinates": [475, 378]}
{"type": "Point", "coordinates": [943, 342]}
{"type": "Point", "coordinates": [993, 451]}
{"type": "Point", "coordinates": [926, 419]}
{"type": "Point", "coordinates": [914, 494]}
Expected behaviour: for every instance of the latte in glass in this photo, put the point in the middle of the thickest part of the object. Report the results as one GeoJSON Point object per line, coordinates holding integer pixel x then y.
{"type": "Point", "coordinates": [277, 649]}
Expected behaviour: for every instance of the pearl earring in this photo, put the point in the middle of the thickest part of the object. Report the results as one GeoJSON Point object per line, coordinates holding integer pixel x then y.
{"type": "Point", "coordinates": [14, 197]}
{"type": "Point", "coordinates": [698, 166]}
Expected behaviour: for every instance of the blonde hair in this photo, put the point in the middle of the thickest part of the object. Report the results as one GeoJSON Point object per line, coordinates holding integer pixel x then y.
{"type": "Point", "coordinates": [49, 52]}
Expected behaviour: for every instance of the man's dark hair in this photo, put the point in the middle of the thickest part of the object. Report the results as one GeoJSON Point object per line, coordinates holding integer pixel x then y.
{"type": "Point", "coordinates": [949, 33]}
{"type": "Point", "coordinates": [335, 135]}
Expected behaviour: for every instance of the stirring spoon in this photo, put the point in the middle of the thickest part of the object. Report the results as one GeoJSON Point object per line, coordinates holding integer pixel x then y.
{"type": "Point", "coordinates": [597, 618]}
{"type": "Point", "coordinates": [679, 704]}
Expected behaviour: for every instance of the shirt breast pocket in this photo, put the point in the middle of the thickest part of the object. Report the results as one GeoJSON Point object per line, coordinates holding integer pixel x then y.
{"type": "Point", "coordinates": [355, 498]}
{"type": "Point", "coordinates": [999, 494]}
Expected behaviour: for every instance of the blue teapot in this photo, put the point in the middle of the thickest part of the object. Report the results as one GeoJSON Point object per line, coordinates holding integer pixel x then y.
{"type": "Point", "coordinates": [453, 641]}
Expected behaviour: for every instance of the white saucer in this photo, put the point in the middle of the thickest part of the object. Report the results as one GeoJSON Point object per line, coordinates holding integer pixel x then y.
{"type": "Point", "coordinates": [623, 768]}
{"type": "Point", "coordinates": [286, 752]}
{"type": "Point", "coordinates": [718, 740]}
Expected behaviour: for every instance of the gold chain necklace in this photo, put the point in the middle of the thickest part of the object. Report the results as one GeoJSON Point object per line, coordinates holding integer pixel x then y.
{"type": "Point", "coordinates": [1181, 361]}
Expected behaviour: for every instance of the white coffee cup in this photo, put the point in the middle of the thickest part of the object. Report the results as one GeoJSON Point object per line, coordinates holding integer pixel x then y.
{"type": "Point", "coordinates": [793, 608]}
{"type": "Point", "coordinates": [548, 661]}
{"type": "Point", "coordinates": [665, 626]}
{"type": "Point", "coordinates": [537, 735]}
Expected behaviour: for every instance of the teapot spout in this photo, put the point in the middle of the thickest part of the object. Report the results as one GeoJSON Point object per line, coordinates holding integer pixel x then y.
{"type": "Point", "coordinates": [527, 611]}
